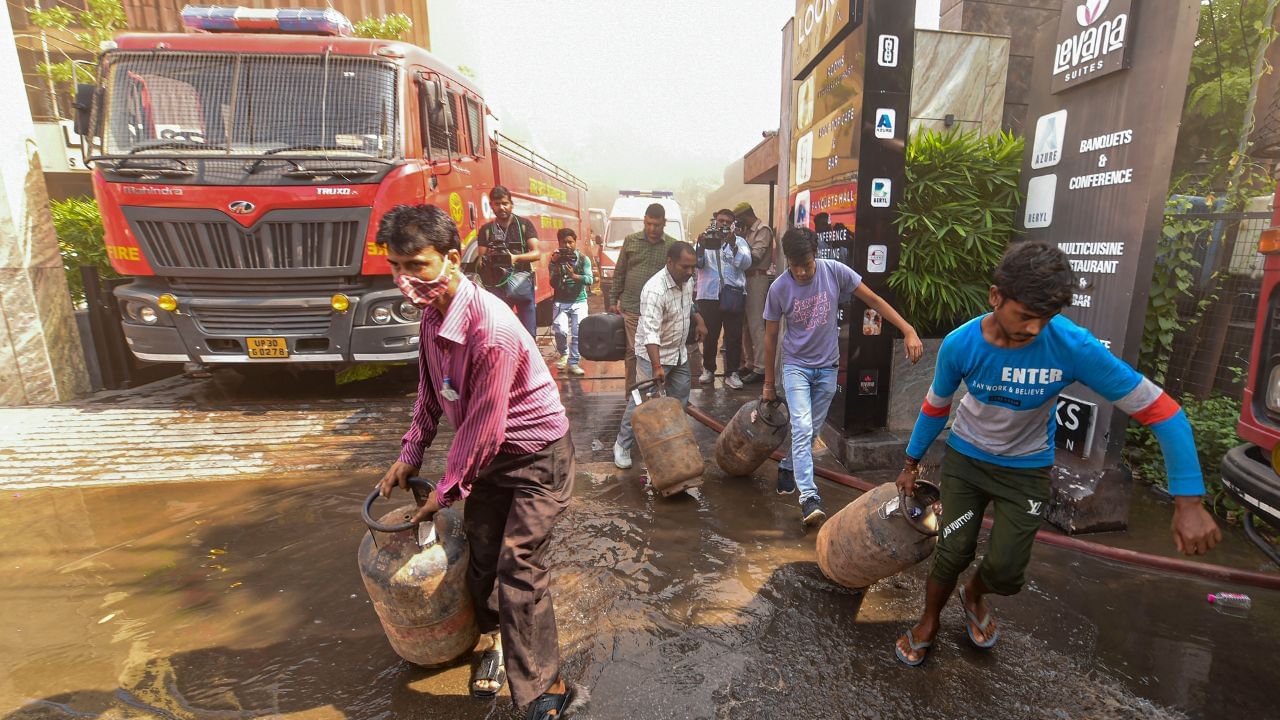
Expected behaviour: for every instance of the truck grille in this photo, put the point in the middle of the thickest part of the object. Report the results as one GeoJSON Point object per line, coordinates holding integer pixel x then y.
{"type": "Point", "coordinates": [263, 321]}
{"type": "Point", "coordinates": [284, 243]}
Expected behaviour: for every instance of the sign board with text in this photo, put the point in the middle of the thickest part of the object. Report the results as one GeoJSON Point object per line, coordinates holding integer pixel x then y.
{"type": "Point", "coordinates": [817, 24]}
{"type": "Point", "coordinates": [1096, 175]}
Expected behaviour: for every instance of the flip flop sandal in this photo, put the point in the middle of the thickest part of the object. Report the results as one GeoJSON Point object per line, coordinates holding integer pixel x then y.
{"type": "Point", "coordinates": [911, 641]}
{"type": "Point", "coordinates": [550, 706]}
{"type": "Point", "coordinates": [982, 624]}
{"type": "Point", "coordinates": [489, 668]}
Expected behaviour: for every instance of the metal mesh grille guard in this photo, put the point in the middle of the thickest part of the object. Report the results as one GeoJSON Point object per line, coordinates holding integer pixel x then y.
{"type": "Point", "coordinates": [208, 243]}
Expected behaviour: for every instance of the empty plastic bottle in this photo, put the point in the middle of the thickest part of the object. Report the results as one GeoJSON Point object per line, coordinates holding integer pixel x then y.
{"type": "Point", "coordinates": [1231, 600]}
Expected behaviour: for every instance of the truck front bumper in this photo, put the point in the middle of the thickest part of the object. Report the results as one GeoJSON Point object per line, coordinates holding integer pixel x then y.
{"type": "Point", "coordinates": [1247, 475]}
{"type": "Point", "coordinates": [214, 331]}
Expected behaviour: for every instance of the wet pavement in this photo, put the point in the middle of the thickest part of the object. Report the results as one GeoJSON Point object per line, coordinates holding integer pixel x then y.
{"type": "Point", "coordinates": [241, 598]}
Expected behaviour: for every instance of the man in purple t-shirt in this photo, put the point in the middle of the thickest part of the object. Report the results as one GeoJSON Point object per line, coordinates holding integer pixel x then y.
{"type": "Point", "coordinates": [808, 295]}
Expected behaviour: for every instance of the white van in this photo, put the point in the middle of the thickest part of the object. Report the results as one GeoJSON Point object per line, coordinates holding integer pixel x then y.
{"type": "Point", "coordinates": [627, 217]}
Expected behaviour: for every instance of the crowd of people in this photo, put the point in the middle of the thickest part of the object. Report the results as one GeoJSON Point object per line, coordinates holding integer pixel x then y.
{"type": "Point", "coordinates": [512, 457]}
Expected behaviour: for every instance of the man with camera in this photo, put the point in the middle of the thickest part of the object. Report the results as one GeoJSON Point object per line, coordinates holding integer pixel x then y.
{"type": "Point", "coordinates": [571, 278]}
{"type": "Point", "coordinates": [760, 239]}
{"type": "Point", "coordinates": [642, 256]}
{"type": "Point", "coordinates": [722, 290]}
{"type": "Point", "coordinates": [510, 247]}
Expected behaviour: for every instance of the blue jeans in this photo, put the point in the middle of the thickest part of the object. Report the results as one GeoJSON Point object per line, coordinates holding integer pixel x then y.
{"type": "Point", "coordinates": [809, 392]}
{"type": "Point", "coordinates": [677, 387]}
{"type": "Point", "coordinates": [527, 311]}
{"type": "Point", "coordinates": [564, 324]}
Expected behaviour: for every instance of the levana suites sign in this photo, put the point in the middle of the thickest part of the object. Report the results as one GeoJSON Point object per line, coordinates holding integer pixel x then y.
{"type": "Point", "coordinates": [1093, 42]}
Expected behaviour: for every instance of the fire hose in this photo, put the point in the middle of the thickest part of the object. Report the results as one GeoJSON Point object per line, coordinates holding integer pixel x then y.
{"type": "Point", "coordinates": [1128, 557]}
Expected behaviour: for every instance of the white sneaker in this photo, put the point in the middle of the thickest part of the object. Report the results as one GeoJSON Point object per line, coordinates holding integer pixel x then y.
{"type": "Point", "coordinates": [706, 377]}
{"type": "Point", "coordinates": [733, 382]}
{"type": "Point", "coordinates": [576, 371]}
{"type": "Point", "coordinates": [562, 361]}
{"type": "Point", "coordinates": [621, 456]}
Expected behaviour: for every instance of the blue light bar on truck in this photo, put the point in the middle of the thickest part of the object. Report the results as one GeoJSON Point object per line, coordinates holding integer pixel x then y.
{"type": "Point", "coordinates": [302, 21]}
{"type": "Point", "coordinates": [647, 193]}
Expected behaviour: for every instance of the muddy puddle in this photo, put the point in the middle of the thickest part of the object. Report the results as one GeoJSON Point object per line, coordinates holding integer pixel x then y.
{"type": "Point", "coordinates": [242, 599]}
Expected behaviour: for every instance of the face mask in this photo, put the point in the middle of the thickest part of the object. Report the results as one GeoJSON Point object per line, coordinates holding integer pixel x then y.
{"type": "Point", "coordinates": [424, 292]}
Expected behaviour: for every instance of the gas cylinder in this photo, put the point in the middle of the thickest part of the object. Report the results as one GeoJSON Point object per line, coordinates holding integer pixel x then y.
{"type": "Point", "coordinates": [416, 577]}
{"type": "Point", "coordinates": [666, 442]}
{"type": "Point", "coordinates": [755, 431]}
{"type": "Point", "coordinates": [880, 534]}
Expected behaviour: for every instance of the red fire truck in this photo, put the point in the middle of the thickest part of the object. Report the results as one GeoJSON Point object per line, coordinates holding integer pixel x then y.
{"type": "Point", "coordinates": [1251, 472]}
{"type": "Point", "coordinates": [241, 170]}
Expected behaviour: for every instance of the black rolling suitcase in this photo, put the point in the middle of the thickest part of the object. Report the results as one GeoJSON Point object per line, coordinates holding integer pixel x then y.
{"type": "Point", "coordinates": [602, 337]}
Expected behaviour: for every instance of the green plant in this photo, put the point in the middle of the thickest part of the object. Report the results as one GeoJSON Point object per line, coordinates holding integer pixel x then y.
{"type": "Point", "coordinates": [386, 27]}
{"type": "Point", "coordinates": [956, 217]}
{"type": "Point", "coordinates": [1173, 278]}
{"type": "Point", "coordinates": [88, 29]}
{"type": "Point", "coordinates": [79, 228]}
{"type": "Point", "coordinates": [1213, 422]}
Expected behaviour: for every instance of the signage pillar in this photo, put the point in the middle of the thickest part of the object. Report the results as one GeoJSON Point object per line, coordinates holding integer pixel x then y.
{"type": "Point", "coordinates": [848, 123]}
{"type": "Point", "coordinates": [1106, 99]}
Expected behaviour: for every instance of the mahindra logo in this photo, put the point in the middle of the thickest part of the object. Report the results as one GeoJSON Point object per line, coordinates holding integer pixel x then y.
{"type": "Point", "coordinates": [1088, 12]}
{"type": "Point", "coordinates": [242, 207]}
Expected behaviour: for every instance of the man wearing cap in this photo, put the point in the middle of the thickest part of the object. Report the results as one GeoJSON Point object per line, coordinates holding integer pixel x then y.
{"type": "Point", "coordinates": [760, 238]}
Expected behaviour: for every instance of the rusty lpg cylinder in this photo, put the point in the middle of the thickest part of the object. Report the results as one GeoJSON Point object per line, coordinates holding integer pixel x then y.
{"type": "Point", "coordinates": [872, 537]}
{"type": "Point", "coordinates": [666, 442]}
{"type": "Point", "coordinates": [416, 577]}
{"type": "Point", "coordinates": [755, 431]}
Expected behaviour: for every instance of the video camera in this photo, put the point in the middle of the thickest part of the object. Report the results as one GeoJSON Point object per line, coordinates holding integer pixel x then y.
{"type": "Point", "coordinates": [715, 236]}
{"type": "Point", "coordinates": [565, 255]}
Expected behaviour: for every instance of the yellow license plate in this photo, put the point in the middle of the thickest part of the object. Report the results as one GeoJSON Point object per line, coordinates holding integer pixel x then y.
{"type": "Point", "coordinates": [268, 347]}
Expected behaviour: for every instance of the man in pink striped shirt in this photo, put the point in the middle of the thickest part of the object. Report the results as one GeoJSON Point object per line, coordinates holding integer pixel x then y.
{"type": "Point", "coordinates": [511, 457]}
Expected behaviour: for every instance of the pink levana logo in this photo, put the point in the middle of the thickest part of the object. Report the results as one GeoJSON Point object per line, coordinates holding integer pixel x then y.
{"type": "Point", "coordinates": [1088, 12]}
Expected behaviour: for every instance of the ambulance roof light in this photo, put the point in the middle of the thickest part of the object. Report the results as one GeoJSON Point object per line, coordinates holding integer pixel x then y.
{"type": "Point", "coordinates": [302, 21]}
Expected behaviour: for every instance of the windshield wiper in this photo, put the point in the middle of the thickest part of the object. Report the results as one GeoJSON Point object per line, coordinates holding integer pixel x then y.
{"type": "Point", "coordinates": [313, 172]}
{"type": "Point", "coordinates": [173, 145]}
{"type": "Point", "coordinates": [253, 166]}
{"type": "Point", "coordinates": [159, 172]}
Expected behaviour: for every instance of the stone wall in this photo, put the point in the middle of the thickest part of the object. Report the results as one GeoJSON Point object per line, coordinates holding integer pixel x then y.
{"type": "Point", "coordinates": [1017, 20]}
{"type": "Point", "coordinates": [962, 75]}
{"type": "Point", "coordinates": [41, 360]}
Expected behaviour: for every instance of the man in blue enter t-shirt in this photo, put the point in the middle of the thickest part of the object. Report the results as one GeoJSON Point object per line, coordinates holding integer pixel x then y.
{"type": "Point", "coordinates": [1014, 362]}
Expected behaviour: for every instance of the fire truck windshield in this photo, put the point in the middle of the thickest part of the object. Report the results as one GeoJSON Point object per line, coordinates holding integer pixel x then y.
{"type": "Point", "coordinates": [206, 105]}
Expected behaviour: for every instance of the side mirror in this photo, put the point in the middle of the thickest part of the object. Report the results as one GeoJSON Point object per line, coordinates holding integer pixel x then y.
{"type": "Point", "coordinates": [83, 104]}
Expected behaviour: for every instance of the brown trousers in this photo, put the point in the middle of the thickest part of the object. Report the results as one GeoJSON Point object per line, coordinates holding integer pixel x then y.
{"type": "Point", "coordinates": [630, 322]}
{"type": "Point", "coordinates": [514, 503]}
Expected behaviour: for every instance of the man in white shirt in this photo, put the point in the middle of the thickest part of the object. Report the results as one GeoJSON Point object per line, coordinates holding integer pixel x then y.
{"type": "Point", "coordinates": [666, 309]}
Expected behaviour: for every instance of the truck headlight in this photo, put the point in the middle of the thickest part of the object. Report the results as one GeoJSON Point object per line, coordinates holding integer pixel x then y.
{"type": "Point", "coordinates": [381, 315]}
{"type": "Point", "coordinates": [409, 312]}
{"type": "Point", "coordinates": [147, 314]}
{"type": "Point", "coordinates": [1273, 389]}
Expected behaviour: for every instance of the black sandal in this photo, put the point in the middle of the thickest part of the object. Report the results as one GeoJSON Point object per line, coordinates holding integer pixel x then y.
{"type": "Point", "coordinates": [552, 706]}
{"type": "Point", "coordinates": [489, 668]}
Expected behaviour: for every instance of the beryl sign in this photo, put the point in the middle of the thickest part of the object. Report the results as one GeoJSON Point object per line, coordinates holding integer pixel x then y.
{"type": "Point", "coordinates": [1107, 94]}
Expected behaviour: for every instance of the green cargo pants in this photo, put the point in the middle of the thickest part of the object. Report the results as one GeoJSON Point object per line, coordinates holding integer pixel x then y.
{"type": "Point", "coordinates": [1020, 496]}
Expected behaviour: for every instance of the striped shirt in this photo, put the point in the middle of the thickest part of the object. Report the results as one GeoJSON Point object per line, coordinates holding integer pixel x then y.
{"type": "Point", "coordinates": [505, 402]}
{"type": "Point", "coordinates": [664, 318]}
